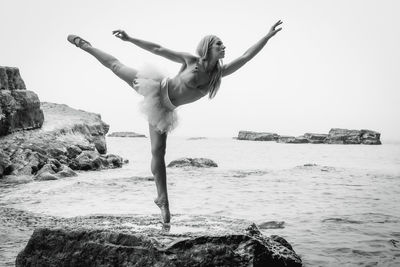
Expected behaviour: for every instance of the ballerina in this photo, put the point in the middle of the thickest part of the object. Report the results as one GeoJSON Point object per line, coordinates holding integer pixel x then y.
{"type": "Point", "coordinates": [199, 76]}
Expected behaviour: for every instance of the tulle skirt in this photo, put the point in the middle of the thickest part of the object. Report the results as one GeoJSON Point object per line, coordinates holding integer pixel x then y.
{"type": "Point", "coordinates": [156, 105]}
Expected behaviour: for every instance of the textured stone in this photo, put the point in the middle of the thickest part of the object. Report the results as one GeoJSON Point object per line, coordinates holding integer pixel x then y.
{"type": "Point", "coordinates": [192, 162]}
{"type": "Point", "coordinates": [65, 135]}
{"type": "Point", "coordinates": [85, 247]}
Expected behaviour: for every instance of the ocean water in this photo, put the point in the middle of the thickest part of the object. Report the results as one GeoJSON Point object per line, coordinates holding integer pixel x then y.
{"type": "Point", "coordinates": [339, 204]}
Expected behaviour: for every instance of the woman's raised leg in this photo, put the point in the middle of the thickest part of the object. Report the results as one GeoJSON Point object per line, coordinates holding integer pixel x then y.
{"type": "Point", "coordinates": [158, 146]}
{"type": "Point", "coordinates": [125, 73]}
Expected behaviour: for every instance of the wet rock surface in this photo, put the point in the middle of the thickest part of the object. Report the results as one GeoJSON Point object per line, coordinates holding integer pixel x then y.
{"type": "Point", "coordinates": [192, 162]}
{"type": "Point", "coordinates": [69, 140]}
{"type": "Point", "coordinates": [335, 136]}
{"type": "Point", "coordinates": [133, 239]}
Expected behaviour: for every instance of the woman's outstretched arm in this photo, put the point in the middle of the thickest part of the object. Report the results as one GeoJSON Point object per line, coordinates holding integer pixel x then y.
{"type": "Point", "coordinates": [251, 52]}
{"type": "Point", "coordinates": [157, 49]}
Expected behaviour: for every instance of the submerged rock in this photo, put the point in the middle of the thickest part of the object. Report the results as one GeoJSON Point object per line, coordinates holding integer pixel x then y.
{"type": "Point", "coordinates": [192, 162]}
{"type": "Point", "coordinates": [125, 134]}
{"type": "Point", "coordinates": [102, 247]}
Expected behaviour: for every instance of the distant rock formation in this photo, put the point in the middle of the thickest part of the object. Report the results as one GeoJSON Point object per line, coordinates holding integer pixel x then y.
{"type": "Point", "coordinates": [335, 136]}
{"type": "Point", "coordinates": [69, 140]}
{"type": "Point", "coordinates": [104, 247]}
{"type": "Point", "coordinates": [255, 136]}
{"type": "Point", "coordinates": [344, 136]}
{"type": "Point", "coordinates": [192, 162]}
{"type": "Point", "coordinates": [19, 108]}
{"type": "Point", "coordinates": [196, 138]}
{"type": "Point", "coordinates": [125, 134]}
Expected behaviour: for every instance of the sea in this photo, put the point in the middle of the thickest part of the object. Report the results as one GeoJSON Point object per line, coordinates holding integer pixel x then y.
{"type": "Point", "coordinates": [337, 205]}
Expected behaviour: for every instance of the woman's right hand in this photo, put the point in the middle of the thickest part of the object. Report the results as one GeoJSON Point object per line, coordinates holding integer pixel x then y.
{"type": "Point", "coordinates": [121, 35]}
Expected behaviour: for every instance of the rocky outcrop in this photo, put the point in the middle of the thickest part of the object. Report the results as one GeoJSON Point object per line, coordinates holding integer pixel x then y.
{"type": "Point", "coordinates": [125, 134]}
{"type": "Point", "coordinates": [255, 136]}
{"type": "Point", "coordinates": [69, 140]}
{"type": "Point", "coordinates": [344, 136]}
{"type": "Point", "coordinates": [102, 247]}
{"type": "Point", "coordinates": [19, 108]}
{"type": "Point", "coordinates": [192, 162]}
{"type": "Point", "coordinates": [335, 136]}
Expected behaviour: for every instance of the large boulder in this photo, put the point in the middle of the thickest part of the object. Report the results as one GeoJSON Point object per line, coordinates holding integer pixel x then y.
{"type": "Point", "coordinates": [256, 136]}
{"type": "Point", "coordinates": [19, 108]}
{"type": "Point", "coordinates": [192, 162]}
{"type": "Point", "coordinates": [103, 247]}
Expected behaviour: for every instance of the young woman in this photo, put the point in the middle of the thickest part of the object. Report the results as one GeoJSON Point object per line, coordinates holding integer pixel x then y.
{"type": "Point", "coordinates": [199, 75]}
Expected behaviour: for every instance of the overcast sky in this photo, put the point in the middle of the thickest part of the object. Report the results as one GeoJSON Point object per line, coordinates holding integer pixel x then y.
{"type": "Point", "coordinates": [334, 64]}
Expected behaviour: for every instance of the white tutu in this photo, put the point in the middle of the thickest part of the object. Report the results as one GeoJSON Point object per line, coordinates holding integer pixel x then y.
{"type": "Point", "coordinates": [156, 105]}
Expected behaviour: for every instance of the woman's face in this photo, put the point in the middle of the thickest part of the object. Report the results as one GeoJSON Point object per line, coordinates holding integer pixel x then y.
{"type": "Point", "coordinates": [217, 49]}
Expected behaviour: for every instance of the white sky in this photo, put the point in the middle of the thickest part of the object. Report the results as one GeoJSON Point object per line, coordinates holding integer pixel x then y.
{"type": "Point", "coordinates": [334, 64]}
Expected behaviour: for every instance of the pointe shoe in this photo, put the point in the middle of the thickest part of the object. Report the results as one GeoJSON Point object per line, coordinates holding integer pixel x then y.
{"type": "Point", "coordinates": [165, 213]}
{"type": "Point", "coordinates": [76, 40]}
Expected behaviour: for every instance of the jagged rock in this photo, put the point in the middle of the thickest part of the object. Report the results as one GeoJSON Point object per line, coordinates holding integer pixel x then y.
{"type": "Point", "coordinates": [345, 136]}
{"type": "Point", "coordinates": [254, 136]}
{"type": "Point", "coordinates": [192, 162]}
{"type": "Point", "coordinates": [102, 247]}
{"type": "Point", "coordinates": [335, 136]}
{"type": "Point", "coordinates": [65, 134]}
{"type": "Point", "coordinates": [125, 134]}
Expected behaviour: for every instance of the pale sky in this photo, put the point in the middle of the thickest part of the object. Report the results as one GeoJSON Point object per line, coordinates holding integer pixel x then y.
{"type": "Point", "coordinates": [335, 64]}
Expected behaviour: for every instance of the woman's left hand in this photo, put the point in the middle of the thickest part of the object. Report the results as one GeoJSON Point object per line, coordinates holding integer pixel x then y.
{"type": "Point", "coordinates": [274, 29]}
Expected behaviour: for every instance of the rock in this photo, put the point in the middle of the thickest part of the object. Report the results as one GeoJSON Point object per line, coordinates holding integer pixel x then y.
{"type": "Point", "coordinates": [102, 247]}
{"type": "Point", "coordinates": [45, 176]}
{"type": "Point", "coordinates": [125, 134]}
{"type": "Point", "coordinates": [73, 151]}
{"type": "Point", "coordinates": [19, 110]}
{"type": "Point", "coordinates": [192, 162]}
{"type": "Point", "coordinates": [66, 172]}
{"type": "Point", "coordinates": [314, 138]}
{"type": "Point", "coordinates": [272, 225]}
{"type": "Point", "coordinates": [255, 136]}
{"type": "Point", "coordinates": [10, 79]}
{"type": "Point", "coordinates": [292, 140]}
{"type": "Point", "coordinates": [345, 136]}
{"type": "Point", "coordinates": [369, 137]}
{"type": "Point", "coordinates": [65, 134]}
{"type": "Point", "coordinates": [196, 138]}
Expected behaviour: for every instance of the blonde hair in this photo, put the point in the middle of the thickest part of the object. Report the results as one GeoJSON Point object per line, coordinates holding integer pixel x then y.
{"type": "Point", "coordinates": [216, 74]}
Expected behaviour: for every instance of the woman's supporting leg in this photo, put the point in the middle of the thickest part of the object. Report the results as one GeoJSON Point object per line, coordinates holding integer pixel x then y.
{"type": "Point", "coordinates": [158, 146]}
{"type": "Point", "coordinates": [125, 73]}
